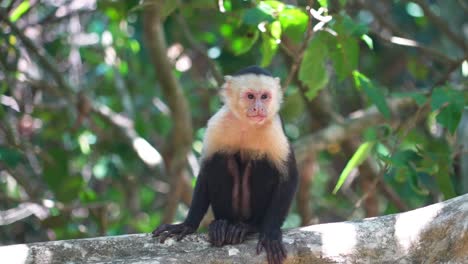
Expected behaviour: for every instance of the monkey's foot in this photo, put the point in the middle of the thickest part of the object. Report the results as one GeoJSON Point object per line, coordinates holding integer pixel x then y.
{"type": "Point", "coordinates": [221, 232]}
{"type": "Point", "coordinates": [237, 233]}
{"type": "Point", "coordinates": [179, 230]}
{"type": "Point", "coordinates": [275, 251]}
{"type": "Point", "coordinates": [217, 232]}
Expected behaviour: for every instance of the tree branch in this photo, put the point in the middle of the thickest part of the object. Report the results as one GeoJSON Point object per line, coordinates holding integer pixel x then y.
{"type": "Point", "coordinates": [434, 234]}
{"type": "Point", "coordinates": [181, 136]}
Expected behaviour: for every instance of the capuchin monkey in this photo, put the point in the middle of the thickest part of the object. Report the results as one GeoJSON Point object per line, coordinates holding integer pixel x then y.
{"type": "Point", "coordinates": [248, 170]}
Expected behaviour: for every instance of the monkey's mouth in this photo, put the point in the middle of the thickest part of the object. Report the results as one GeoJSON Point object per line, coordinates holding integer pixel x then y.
{"type": "Point", "coordinates": [257, 118]}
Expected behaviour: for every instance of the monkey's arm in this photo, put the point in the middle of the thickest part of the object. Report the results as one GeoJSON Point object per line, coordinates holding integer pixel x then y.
{"type": "Point", "coordinates": [200, 203]}
{"type": "Point", "coordinates": [270, 237]}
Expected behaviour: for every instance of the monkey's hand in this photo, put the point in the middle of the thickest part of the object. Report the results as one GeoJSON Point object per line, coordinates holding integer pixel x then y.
{"type": "Point", "coordinates": [179, 230]}
{"type": "Point", "coordinates": [274, 248]}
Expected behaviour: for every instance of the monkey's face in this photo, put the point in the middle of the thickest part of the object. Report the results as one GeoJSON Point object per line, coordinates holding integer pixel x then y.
{"type": "Point", "coordinates": [253, 98]}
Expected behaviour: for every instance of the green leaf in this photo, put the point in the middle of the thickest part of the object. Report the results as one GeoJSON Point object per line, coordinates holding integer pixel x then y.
{"type": "Point", "coordinates": [357, 159]}
{"type": "Point", "coordinates": [276, 5]}
{"type": "Point", "coordinates": [443, 180]}
{"type": "Point", "coordinates": [439, 154]}
{"type": "Point", "coordinates": [294, 23]}
{"type": "Point", "coordinates": [70, 189]}
{"type": "Point", "coordinates": [312, 70]}
{"type": "Point", "coordinates": [439, 97]}
{"type": "Point", "coordinates": [450, 104]}
{"type": "Point", "coordinates": [10, 157]}
{"type": "Point", "coordinates": [450, 117]}
{"type": "Point", "coordinates": [346, 26]}
{"type": "Point", "coordinates": [403, 158]}
{"type": "Point", "coordinates": [270, 42]}
{"type": "Point", "coordinates": [242, 44]}
{"type": "Point", "coordinates": [345, 56]}
{"type": "Point", "coordinates": [56, 168]}
{"type": "Point", "coordinates": [323, 3]}
{"type": "Point", "coordinates": [169, 7]}
{"type": "Point", "coordinates": [374, 93]}
{"type": "Point", "coordinates": [293, 106]}
{"type": "Point", "coordinates": [368, 40]}
{"type": "Point", "coordinates": [419, 98]}
{"type": "Point", "coordinates": [256, 15]}
{"type": "Point", "coordinates": [19, 11]}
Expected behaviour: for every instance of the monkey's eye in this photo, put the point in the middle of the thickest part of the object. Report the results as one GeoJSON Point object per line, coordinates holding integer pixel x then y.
{"type": "Point", "coordinates": [264, 96]}
{"type": "Point", "coordinates": [250, 96]}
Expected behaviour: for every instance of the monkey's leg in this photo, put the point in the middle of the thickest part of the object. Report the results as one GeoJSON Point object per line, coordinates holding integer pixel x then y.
{"type": "Point", "coordinates": [217, 232]}
{"type": "Point", "coordinates": [237, 233]}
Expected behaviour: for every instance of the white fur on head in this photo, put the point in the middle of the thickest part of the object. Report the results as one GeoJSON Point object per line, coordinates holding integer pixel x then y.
{"type": "Point", "coordinates": [235, 86]}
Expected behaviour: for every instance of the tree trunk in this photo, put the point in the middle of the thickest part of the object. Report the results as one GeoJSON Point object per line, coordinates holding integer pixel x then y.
{"type": "Point", "coordinates": [434, 234]}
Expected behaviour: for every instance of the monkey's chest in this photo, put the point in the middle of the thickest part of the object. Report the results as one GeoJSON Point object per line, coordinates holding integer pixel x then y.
{"type": "Point", "coordinates": [240, 188]}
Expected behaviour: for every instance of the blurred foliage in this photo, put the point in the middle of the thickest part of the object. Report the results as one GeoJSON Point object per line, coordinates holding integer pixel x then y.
{"type": "Point", "coordinates": [84, 171]}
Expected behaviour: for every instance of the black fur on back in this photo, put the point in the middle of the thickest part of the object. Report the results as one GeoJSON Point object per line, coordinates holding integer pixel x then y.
{"type": "Point", "coordinates": [254, 69]}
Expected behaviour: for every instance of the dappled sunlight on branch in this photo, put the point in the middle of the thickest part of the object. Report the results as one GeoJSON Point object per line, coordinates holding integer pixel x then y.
{"type": "Point", "coordinates": [410, 225]}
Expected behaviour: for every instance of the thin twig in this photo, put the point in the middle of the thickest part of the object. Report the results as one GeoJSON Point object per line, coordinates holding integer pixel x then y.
{"type": "Point", "coordinates": [42, 56]}
{"type": "Point", "coordinates": [441, 25]}
{"type": "Point", "coordinates": [395, 31]}
{"type": "Point", "coordinates": [199, 48]}
{"type": "Point", "coordinates": [297, 57]}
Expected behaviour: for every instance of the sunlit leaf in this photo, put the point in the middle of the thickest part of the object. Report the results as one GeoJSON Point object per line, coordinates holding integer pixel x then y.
{"type": "Point", "coordinates": [368, 40]}
{"type": "Point", "coordinates": [242, 44]}
{"type": "Point", "coordinates": [323, 3]}
{"type": "Point", "coordinates": [270, 42]}
{"type": "Point", "coordinates": [357, 159]}
{"type": "Point", "coordinates": [19, 11]}
{"type": "Point", "coordinates": [294, 23]}
{"type": "Point", "coordinates": [276, 5]}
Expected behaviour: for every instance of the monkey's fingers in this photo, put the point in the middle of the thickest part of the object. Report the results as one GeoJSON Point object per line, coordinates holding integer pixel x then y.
{"type": "Point", "coordinates": [259, 246]}
{"type": "Point", "coordinates": [160, 230]}
{"type": "Point", "coordinates": [230, 234]}
{"type": "Point", "coordinates": [238, 230]}
{"type": "Point", "coordinates": [164, 236]}
{"type": "Point", "coordinates": [243, 235]}
{"type": "Point", "coordinates": [185, 231]}
{"type": "Point", "coordinates": [275, 251]}
{"type": "Point", "coordinates": [217, 232]}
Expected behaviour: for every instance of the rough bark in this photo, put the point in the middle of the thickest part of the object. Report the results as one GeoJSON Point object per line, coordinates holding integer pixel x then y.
{"type": "Point", "coordinates": [434, 234]}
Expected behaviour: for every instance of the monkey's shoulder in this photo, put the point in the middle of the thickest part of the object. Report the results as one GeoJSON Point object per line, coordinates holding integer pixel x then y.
{"type": "Point", "coordinates": [225, 134]}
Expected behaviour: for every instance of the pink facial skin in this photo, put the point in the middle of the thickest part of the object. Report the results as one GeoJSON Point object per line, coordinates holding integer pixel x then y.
{"type": "Point", "coordinates": [257, 101]}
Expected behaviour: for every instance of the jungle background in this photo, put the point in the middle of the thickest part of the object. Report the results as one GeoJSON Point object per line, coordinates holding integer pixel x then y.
{"type": "Point", "coordinates": [104, 104]}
